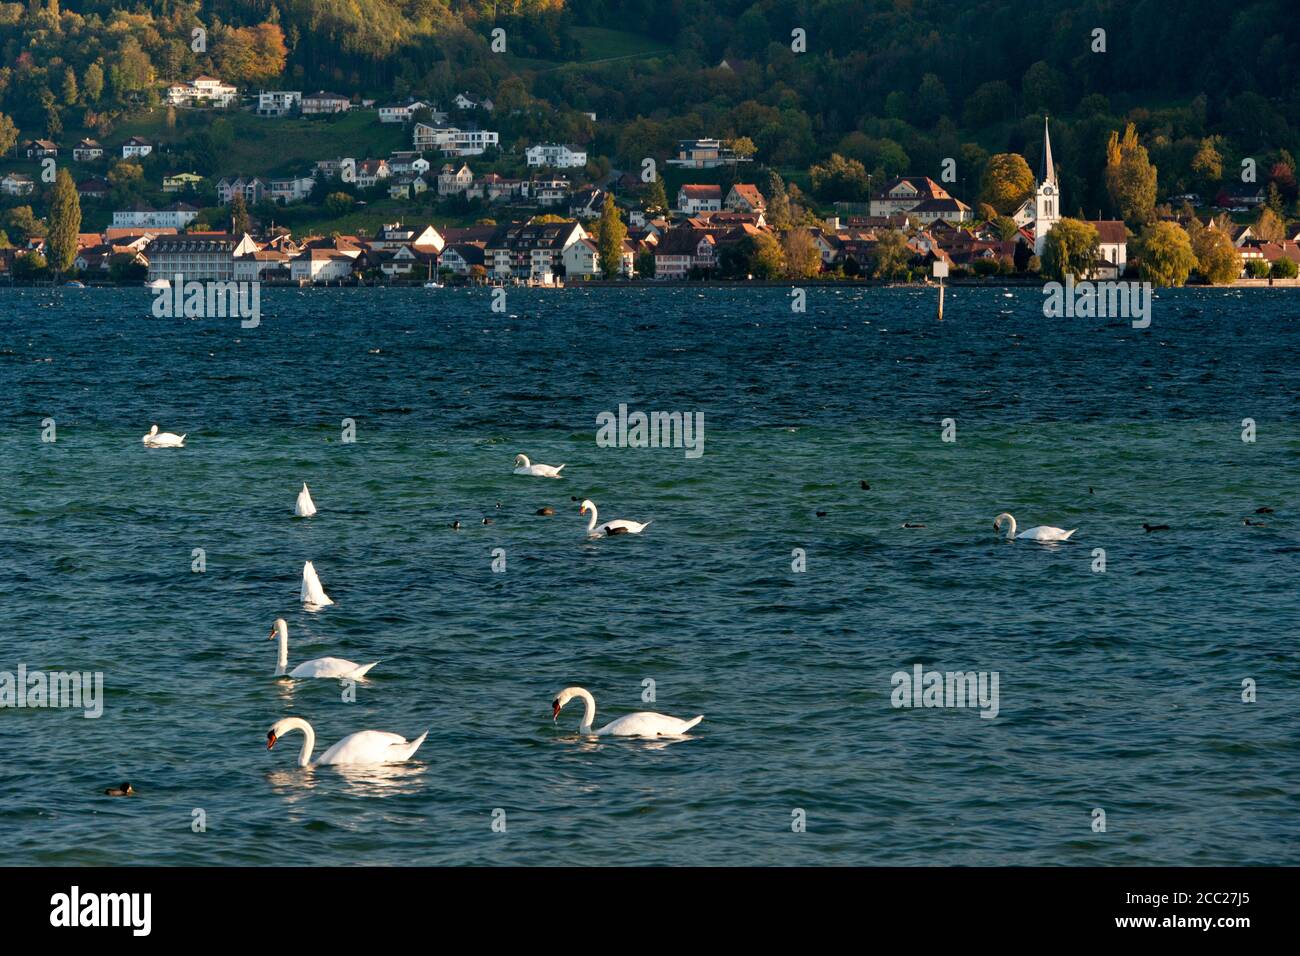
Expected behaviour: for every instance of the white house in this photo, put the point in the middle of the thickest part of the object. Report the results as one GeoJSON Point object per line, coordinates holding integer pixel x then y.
{"type": "Point", "coordinates": [582, 260]}
{"type": "Point", "coordinates": [405, 112]}
{"type": "Point", "coordinates": [560, 156]}
{"type": "Point", "coordinates": [202, 90]}
{"type": "Point", "coordinates": [176, 216]}
{"type": "Point", "coordinates": [250, 189]}
{"type": "Point", "coordinates": [290, 189]}
{"type": "Point", "coordinates": [705, 154]}
{"type": "Point", "coordinates": [136, 147]}
{"type": "Point", "coordinates": [549, 192]}
{"type": "Point", "coordinates": [278, 102]}
{"type": "Point", "coordinates": [453, 181]}
{"type": "Point", "coordinates": [323, 265]}
{"type": "Point", "coordinates": [696, 198]}
{"type": "Point", "coordinates": [454, 141]}
{"type": "Point", "coordinates": [17, 184]}
{"type": "Point", "coordinates": [324, 104]}
{"type": "Point", "coordinates": [371, 171]}
{"type": "Point", "coordinates": [86, 151]}
{"type": "Point", "coordinates": [464, 101]}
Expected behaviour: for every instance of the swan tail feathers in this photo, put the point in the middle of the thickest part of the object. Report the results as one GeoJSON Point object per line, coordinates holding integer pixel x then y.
{"type": "Point", "coordinates": [415, 744]}
{"type": "Point", "coordinates": [646, 524]}
{"type": "Point", "coordinates": [361, 671]}
{"type": "Point", "coordinates": [559, 469]}
{"type": "Point", "coordinates": [1066, 536]}
{"type": "Point", "coordinates": [688, 724]}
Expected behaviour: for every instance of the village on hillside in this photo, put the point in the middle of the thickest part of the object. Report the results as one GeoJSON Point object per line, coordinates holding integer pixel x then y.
{"type": "Point", "coordinates": [710, 211]}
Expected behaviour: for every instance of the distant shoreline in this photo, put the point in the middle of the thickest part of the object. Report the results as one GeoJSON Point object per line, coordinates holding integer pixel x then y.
{"type": "Point", "coordinates": [1000, 283]}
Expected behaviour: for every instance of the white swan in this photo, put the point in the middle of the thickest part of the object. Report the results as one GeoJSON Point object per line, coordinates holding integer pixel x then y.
{"type": "Point", "coordinates": [304, 507]}
{"type": "Point", "coordinates": [524, 467]}
{"type": "Point", "coordinates": [619, 526]}
{"type": "Point", "coordinates": [313, 595]}
{"type": "Point", "coordinates": [1041, 532]}
{"type": "Point", "coordinates": [641, 724]}
{"type": "Point", "coordinates": [320, 666]}
{"type": "Point", "coordinates": [363, 747]}
{"type": "Point", "coordinates": [157, 439]}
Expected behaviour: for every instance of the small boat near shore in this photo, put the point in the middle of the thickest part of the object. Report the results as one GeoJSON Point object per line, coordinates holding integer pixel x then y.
{"type": "Point", "coordinates": [158, 284]}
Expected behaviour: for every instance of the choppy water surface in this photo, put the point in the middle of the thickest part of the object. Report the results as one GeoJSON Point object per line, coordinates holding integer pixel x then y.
{"type": "Point", "coordinates": [1119, 690]}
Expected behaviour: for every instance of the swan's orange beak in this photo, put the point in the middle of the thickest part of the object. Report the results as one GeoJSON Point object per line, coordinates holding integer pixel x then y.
{"type": "Point", "coordinates": [270, 739]}
{"type": "Point", "coordinates": [272, 633]}
{"type": "Point", "coordinates": [555, 710]}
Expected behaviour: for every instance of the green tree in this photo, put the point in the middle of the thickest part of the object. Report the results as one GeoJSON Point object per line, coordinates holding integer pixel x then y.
{"type": "Point", "coordinates": [69, 87]}
{"type": "Point", "coordinates": [612, 233]}
{"type": "Point", "coordinates": [653, 197]}
{"type": "Point", "coordinates": [65, 222]}
{"type": "Point", "coordinates": [840, 179]}
{"type": "Point", "coordinates": [1217, 260]}
{"type": "Point", "coordinates": [1166, 257]}
{"type": "Point", "coordinates": [778, 202]}
{"type": "Point", "coordinates": [239, 220]}
{"type": "Point", "coordinates": [1007, 182]}
{"type": "Point", "coordinates": [890, 255]}
{"type": "Point", "coordinates": [93, 83]}
{"type": "Point", "coordinates": [8, 134]}
{"type": "Point", "coordinates": [1284, 268]}
{"type": "Point", "coordinates": [1130, 177]}
{"type": "Point", "coordinates": [1072, 247]}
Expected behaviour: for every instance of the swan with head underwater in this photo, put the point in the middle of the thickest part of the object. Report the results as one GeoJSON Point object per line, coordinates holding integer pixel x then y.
{"type": "Point", "coordinates": [641, 724]}
{"type": "Point", "coordinates": [525, 467]}
{"type": "Point", "coordinates": [1040, 532]}
{"type": "Point", "coordinates": [157, 439]}
{"type": "Point", "coordinates": [609, 528]}
{"type": "Point", "coordinates": [363, 747]}
{"type": "Point", "coordinates": [327, 667]}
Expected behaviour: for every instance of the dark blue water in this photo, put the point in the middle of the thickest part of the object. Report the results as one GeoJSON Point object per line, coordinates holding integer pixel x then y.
{"type": "Point", "coordinates": [1119, 690]}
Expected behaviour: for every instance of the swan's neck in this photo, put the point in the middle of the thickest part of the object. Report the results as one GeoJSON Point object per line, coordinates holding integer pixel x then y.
{"type": "Point", "coordinates": [591, 526]}
{"type": "Point", "coordinates": [524, 462]}
{"type": "Point", "coordinates": [309, 739]}
{"type": "Point", "coordinates": [589, 715]}
{"type": "Point", "coordinates": [1011, 527]}
{"type": "Point", "coordinates": [282, 663]}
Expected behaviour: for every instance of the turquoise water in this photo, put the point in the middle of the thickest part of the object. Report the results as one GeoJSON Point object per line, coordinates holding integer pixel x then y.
{"type": "Point", "coordinates": [1119, 690]}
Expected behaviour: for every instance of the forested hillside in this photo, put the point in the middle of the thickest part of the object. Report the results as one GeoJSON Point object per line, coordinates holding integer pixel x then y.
{"type": "Point", "coordinates": [897, 85]}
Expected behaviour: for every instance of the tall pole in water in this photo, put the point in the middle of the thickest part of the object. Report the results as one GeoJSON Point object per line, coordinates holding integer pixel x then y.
{"type": "Point", "coordinates": [940, 271]}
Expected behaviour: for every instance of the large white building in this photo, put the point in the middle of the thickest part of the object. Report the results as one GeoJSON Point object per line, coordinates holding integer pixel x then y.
{"type": "Point", "coordinates": [176, 216]}
{"type": "Point", "coordinates": [278, 102]}
{"type": "Point", "coordinates": [197, 257]}
{"type": "Point", "coordinates": [202, 90]}
{"type": "Point", "coordinates": [557, 155]}
{"type": "Point", "coordinates": [454, 141]}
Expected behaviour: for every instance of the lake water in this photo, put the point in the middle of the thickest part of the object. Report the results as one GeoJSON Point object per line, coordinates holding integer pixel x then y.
{"type": "Point", "coordinates": [1118, 690]}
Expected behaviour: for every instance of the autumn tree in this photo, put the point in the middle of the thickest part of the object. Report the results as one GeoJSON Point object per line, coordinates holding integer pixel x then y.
{"type": "Point", "coordinates": [1007, 182]}
{"type": "Point", "coordinates": [803, 260]}
{"type": "Point", "coordinates": [1165, 254]}
{"type": "Point", "coordinates": [93, 83]}
{"type": "Point", "coordinates": [1269, 225]}
{"type": "Point", "coordinates": [1217, 260]}
{"type": "Point", "coordinates": [1130, 177]}
{"type": "Point", "coordinates": [1072, 247]}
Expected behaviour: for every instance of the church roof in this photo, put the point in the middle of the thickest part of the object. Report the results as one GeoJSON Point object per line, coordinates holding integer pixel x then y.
{"type": "Point", "coordinates": [1046, 169]}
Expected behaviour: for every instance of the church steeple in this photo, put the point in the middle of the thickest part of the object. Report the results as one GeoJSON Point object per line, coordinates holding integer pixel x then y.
{"type": "Point", "coordinates": [1046, 170]}
{"type": "Point", "coordinates": [1047, 195]}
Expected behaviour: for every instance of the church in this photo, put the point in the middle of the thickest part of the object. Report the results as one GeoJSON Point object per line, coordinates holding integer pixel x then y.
{"type": "Point", "coordinates": [1042, 211]}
